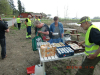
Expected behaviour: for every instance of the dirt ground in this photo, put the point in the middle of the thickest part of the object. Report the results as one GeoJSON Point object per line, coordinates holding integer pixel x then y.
{"type": "Point", "coordinates": [20, 56]}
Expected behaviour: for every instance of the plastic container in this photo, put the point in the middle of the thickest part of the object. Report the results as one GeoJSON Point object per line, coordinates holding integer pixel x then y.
{"type": "Point", "coordinates": [39, 70]}
{"type": "Point", "coordinates": [67, 37]}
{"type": "Point", "coordinates": [64, 52]}
{"type": "Point", "coordinates": [54, 33]}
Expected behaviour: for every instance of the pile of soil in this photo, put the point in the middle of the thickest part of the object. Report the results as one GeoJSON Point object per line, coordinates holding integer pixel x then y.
{"type": "Point", "coordinates": [20, 56]}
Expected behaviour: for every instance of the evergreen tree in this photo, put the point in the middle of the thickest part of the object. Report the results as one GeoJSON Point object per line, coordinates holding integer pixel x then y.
{"type": "Point", "coordinates": [19, 6]}
{"type": "Point", "coordinates": [23, 9]}
{"type": "Point", "coordinates": [11, 2]}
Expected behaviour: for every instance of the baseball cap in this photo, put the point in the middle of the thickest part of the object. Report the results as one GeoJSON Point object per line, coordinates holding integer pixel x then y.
{"type": "Point", "coordinates": [29, 15]}
{"type": "Point", "coordinates": [84, 19]}
{"type": "Point", "coordinates": [37, 22]}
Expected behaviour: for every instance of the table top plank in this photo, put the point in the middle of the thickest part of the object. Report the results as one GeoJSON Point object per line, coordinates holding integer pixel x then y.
{"type": "Point", "coordinates": [70, 29]}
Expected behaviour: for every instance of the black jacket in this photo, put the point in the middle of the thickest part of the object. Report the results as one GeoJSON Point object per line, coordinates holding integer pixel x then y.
{"type": "Point", "coordinates": [94, 36]}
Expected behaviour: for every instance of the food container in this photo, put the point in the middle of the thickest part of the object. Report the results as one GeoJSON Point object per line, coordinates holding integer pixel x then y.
{"type": "Point", "coordinates": [47, 50]}
{"type": "Point", "coordinates": [60, 44]}
{"type": "Point", "coordinates": [64, 52]}
{"type": "Point", "coordinates": [67, 37]}
{"type": "Point", "coordinates": [42, 43]}
{"type": "Point", "coordinates": [79, 49]}
{"type": "Point", "coordinates": [47, 39]}
{"type": "Point", "coordinates": [55, 34]}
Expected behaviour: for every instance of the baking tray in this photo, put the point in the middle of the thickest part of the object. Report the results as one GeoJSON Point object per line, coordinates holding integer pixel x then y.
{"type": "Point", "coordinates": [76, 50]}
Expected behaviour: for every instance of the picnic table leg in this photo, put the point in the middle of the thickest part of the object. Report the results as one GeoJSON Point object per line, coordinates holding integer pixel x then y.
{"type": "Point", "coordinates": [44, 68]}
{"type": "Point", "coordinates": [83, 57]}
{"type": "Point", "coordinates": [76, 32]}
{"type": "Point", "coordinates": [65, 31]}
{"type": "Point", "coordinates": [72, 32]}
{"type": "Point", "coordinates": [78, 37]}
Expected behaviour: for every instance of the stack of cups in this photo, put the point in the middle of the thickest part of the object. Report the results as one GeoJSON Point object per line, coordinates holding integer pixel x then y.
{"type": "Point", "coordinates": [53, 50]}
{"type": "Point", "coordinates": [43, 50]}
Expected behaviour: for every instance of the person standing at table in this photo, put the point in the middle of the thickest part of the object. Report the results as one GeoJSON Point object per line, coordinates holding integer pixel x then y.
{"type": "Point", "coordinates": [42, 30]}
{"type": "Point", "coordinates": [92, 46]}
{"type": "Point", "coordinates": [19, 22]}
{"type": "Point", "coordinates": [28, 26]}
{"type": "Point", "coordinates": [3, 28]}
{"type": "Point", "coordinates": [37, 18]}
{"type": "Point", "coordinates": [57, 28]}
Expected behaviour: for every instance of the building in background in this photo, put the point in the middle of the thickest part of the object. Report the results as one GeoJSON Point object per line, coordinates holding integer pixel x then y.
{"type": "Point", "coordinates": [25, 15]}
{"type": "Point", "coordinates": [36, 14]}
{"type": "Point", "coordinates": [43, 15]}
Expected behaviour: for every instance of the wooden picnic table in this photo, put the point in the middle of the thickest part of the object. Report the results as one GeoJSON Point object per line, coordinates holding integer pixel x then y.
{"type": "Point", "coordinates": [73, 32]}
{"type": "Point", "coordinates": [70, 29]}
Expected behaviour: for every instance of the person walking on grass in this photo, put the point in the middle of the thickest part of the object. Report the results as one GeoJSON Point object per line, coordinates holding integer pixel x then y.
{"type": "Point", "coordinates": [19, 22]}
{"type": "Point", "coordinates": [28, 26]}
{"type": "Point", "coordinates": [3, 29]}
{"type": "Point", "coordinates": [92, 46]}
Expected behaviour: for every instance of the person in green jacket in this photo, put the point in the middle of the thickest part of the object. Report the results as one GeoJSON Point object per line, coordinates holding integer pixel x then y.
{"type": "Point", "coordinates": [19, 22]}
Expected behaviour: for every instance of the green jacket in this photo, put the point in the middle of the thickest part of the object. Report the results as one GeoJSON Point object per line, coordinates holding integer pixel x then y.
{"type": "Point", "coordinates": [18, 20]}
{"type": "Point", "coordinates": [29, 22]}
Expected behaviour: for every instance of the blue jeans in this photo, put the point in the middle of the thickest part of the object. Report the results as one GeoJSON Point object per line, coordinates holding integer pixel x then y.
{"type": "Point", "coordinates": [3, 47]}
{"type": "Point", "coordinates": [29, 30]}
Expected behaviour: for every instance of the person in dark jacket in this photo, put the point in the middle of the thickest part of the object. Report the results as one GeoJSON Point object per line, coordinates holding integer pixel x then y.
{"type": "Point", "coordinates": [42, 30]}
{"type": "Point", "coordinates": [92, 46]}
{"type": "Point", "coordinates": [56, 29]}
{"type": "Point", "coordinates": [3, 29]}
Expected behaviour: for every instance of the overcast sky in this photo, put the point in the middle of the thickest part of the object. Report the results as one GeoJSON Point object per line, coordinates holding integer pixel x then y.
{"type": "Point", "coordinates": [61, 8]}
